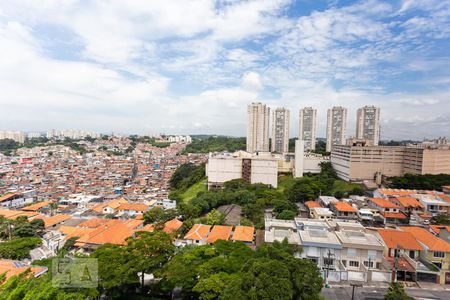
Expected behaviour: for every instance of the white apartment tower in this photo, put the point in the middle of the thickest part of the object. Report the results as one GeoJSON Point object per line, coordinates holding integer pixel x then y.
{"type": "Point", "coordinates": [368, 124]}
{"type": "Point", "coordinates": [307, 128]}
{"type": "Point", "coordinates": [258, 127]}
{"type": "Point", "coordinates": [280, 130]}
{"type": "Point", "coordinates": [336, 122]}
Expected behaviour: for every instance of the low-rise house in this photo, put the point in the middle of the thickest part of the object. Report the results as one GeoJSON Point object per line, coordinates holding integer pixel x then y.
{"type": "Point", "coordinates": [197, 234]}
{"type": "Point", "coordinates": [362, 256]}
{"type": "Point", "coordinates": [312, 204]}
{"type": "Point", "coordinates": [402, 253]}
{"type": "Point", "coordinates": [343, 210]}
{"type": "Point", "coordinates": [408, 204]}
{"type": "Point", "coordinates": [131, 210]}
{"type": "Point", "coordinates": [55, 221]}
{"type": "Point", "coordinates": [365, 215]}
{"type": "Point", "coordinates": [436, 251]}
{"type": "Point", "coordinates": [325, 201]}
{"type": "Point", "coordinates": [172, 226]}
{"type": "Point", "coordinates": [219, 232]}
{"type": "Point", "coordinates": [278, 230]}
{"type": "Point", "coordinates": [434, 205]}
{"type": "Point", "coordinates": [39, 206]}
{"type": "Point", "coordinates": [322, 213]}
{"type": "Point", "coordinates": [167, 203]}
{"type": "Point", "coordinates": [14, 267]}
{"type": "Point", "coordinates": [245, 234]}
{"type": "Point", "coordinates": [12, 200]}
{"type": "Point", "coordinates": [390, 212]}
{"type": "Point", "coordinates": [110, 207]}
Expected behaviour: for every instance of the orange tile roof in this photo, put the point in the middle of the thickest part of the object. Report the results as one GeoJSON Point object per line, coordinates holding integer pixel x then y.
{"type": "Point", "coordinates": [56, 219]}
{"type": "Point", "coordinates": [437, 228]}
{"type": "Point", "coordinates": [219, 232]}
{"type": "Point", "coordinates": [198, 232]}
{"type": "Point", "coordinates": [36, 206]}
{"type": "Point", "coordinates": [397, 192]}
{"type": "Point", "coordinates": [133, 223]}
{"type": "Point", "coordinates": [409, 202]}
{"type": "Point", "coordinates": [72, 231]}
{"type": "Point", "coordinates": [243, 233]}
{"type": "Point", "coordinates": [393, 215]}
{"type": "Point", "coordinates": [384, 203]}
{"type": "Point", "coordinates": [7, 196]}
{"type": "Point", "coordinates": [116, 234]}
{"type": "Point", "coordinates": [172, 225]}
{"type": "Point", "coordinates": [343, 206]}
{"type": "Point", "coordinates": [428, 239]}
{"type": "Point", "coordinates": [11, 268]}
{"type": "Point", "coordinates": [148, 227]}
{"type": "Point", "coordinates": [393, 238]}
{"type": "Point", "coordinates": [312, 204]}
{"type": "Point", "coordinates": [425, 216]}
{"type": "Point", "coordinates": [113, 204]}
{"type": "Point", "coordinates": [95, 222]}
{"type": "Point", "coordinates": [444, 197]}
{"type": "Point", "coordinates": [132, 206]}
{"type": "Point", "coordinates": [9, 213]}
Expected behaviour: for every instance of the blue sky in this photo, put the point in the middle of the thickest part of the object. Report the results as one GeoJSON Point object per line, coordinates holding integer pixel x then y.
{"type": "Point", "coordinates": [192, 66]}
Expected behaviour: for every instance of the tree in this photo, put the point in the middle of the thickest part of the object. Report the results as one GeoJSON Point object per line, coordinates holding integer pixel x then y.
{"type": "Point", "coordinates": [149, 251]}
{"type": "Point", "coordinates": [215, 217]}
{"type": "Point", "coordinates": [114, 272]}
{"type": "Point", "coordinates": [287, 215]}
{"type": "Point", "coordinates": [154, 215]}
{"type": "Point", "coordinates": [396, 292]}
{"type": "Point", "coordinates": [211, 287]}
{"type": "Point", "coordinates": [19, 248]}
{"type": "Point", "coordinates": [440, 220]}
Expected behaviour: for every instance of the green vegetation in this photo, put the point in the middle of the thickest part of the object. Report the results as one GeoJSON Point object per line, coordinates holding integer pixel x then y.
{"type": "Point", "coordinates": [186, 176]}
{"type": "Point", "coordinates": [420, 182]}
{"type": "Point", "coordinates": [396, 292]}
{"type": "Point", "coordinates": [148, 140]}
{"type": "Point", "coordinates": [228, 270]}
{"type": "Point", "coordinates": [20, 227]}
{"type": "Point", "coordinates": [194, 190]}
{"type": "Point", "coordinates": [440, 220]}
{"type": "Point", "coordinates": [8, 146]}
{"type": "Point", "coordinates": [216, 144]}
{"type": "Point", "coordinates": [19, 248]}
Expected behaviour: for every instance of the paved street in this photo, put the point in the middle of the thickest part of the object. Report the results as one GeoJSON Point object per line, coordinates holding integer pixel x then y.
{"type": "Point", "coordinates": [368, 293]}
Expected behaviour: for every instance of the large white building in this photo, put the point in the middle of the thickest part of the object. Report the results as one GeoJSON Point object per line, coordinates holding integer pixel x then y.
{"type": "Point", "coordinates": [258, 127]}
{"type": "Point", "coordinates": [223, 167]}
{"type": "Point", "coordinates": [368, 124]}
{"type": "Point", "coordinates": [306, 162]}
{"type": "Point", "coordinates": [336, 124]}
{"type": "Point", "coordinates": [307, 127]}
{"type": "Point", "coordinates": [280, 130]}
{"type": "Point", "coordinates": [13, 135]}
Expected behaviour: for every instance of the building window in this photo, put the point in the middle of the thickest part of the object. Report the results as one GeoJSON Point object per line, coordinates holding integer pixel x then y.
{"type": "Point", "coordinates": [372, 253]}
{"type": "Point", "coordinates": [344, 262]}
{"type": "Point", "coordinates": [438, 264]}
{"type": "Point", "coordinates": [412, 254]}
{"type": "Point", "coordinates": [378, 265]}
{"type": "Point", "coordinates": [366, 263]}
{"type": "Point", "coordinates": [438, 254]}
{"type": "Point", "coordinates": [328, 261]}
{"type": "Point", "coordinates": [351, 252]}
{"type": "Point", "coordinates": [353, 263]}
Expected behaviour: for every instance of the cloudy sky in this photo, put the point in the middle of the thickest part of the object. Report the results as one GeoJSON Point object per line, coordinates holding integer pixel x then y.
{"type": "Point", "coordinates": [174, 66]}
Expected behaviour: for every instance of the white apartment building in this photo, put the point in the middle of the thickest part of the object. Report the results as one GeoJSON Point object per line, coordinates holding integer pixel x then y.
{"type": "Point", "coordinates": [368, 124]}
{"type": "Point", "coordinates": [307, 127]}
{"type": "Point", "coordinates": [258, 127]}
{"type": "Point", "coordinates": [280, 130]}
{"type": "Point", "coordinates": [252, 168]}
{"type": "Point", "coordinates": [13, 135]}
{"type": "Point", "coordinates": [336, 125]}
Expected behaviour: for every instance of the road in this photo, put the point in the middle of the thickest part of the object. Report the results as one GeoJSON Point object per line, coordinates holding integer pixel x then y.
{"type": "Point", "coordinates": [368, 293]}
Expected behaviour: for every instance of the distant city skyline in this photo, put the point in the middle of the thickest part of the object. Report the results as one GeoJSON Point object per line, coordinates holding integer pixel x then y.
{"type": "Point", "coordinates": [148, 67]}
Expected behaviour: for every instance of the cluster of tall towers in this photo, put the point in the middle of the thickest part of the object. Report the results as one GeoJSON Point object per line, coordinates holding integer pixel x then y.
{"type": "Point", "coordinates": [367, 127]}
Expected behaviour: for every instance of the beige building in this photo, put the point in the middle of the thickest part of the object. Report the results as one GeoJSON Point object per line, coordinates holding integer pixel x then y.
{"type": "Point", "coordinates": [252, 168]}
{"type": "Point", "coordinates": [13, 135]}
{"type": "Point", "coordinates": [258, 127]}
{"type": "Point", "coordinates": [336, 125]}
{"type": "Point", "coordinates": [280, 130]}
{"type": "Point", "coordinates": [368, 124]}
{"type": "Point", "coordinates": [307, 127]}
{"type": "Point", "coordinates": [359, 162]}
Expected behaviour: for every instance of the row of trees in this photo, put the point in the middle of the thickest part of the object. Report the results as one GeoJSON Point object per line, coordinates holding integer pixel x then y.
{"type": "Point", "coordinates": [224, 270]}
{"type": "Point", "coordinates": [216, 144]}
{"type": "Point", "coordinates": [421, 182]}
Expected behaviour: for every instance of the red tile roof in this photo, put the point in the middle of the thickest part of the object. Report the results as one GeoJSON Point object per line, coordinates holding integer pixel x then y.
{"type": "Point", "coordinates": [343, 206]}
{"type": "Point", "coordinates": [384, 203]}
{"type": "Point", "coordinates": [243, 233]}
{"type": "Point", "coordinates": [393, 215]}
{"type": "Point", "coordinates": [405, 240]}
{"type": "Point", "coordinates": [219, 232]}
{"type": "Point", "coordinates": [428, 239]}
{"type": "Point", "coordinates": [172, 225]}
{"type": "Point", "coordinates": [312, 204]}
{"type": "Point", "coordinates": [409, 202]}
{"type": "Point", "coordinates": [198, 232]}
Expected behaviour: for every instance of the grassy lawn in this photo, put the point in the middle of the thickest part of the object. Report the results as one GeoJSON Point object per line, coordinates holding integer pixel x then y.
{"type": "Point", "coordinates": [340, 185]}
{"type": "Point", "coordinates": [191, 192]}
